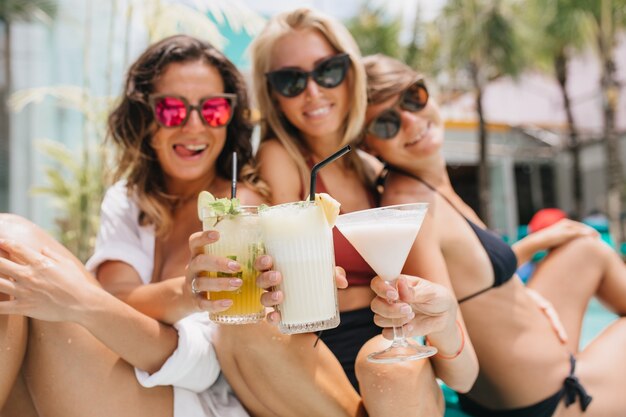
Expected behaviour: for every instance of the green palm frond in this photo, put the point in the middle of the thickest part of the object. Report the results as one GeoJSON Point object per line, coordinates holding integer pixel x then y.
{"type": "Point", "coordinates": [75, 184]}
{"type": "Point", "coordinates": [27, 10]}
{"type": "Point", "coordinates": [375, 32]}
{"type": "Point", "coordinates": [67, 96]}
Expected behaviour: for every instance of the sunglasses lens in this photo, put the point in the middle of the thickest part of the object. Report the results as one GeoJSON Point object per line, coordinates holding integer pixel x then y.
{"type": "Point", "coordinates": [217, 111]}
{"type": "Point", "coordinates": [415, 97]}
{"type": "Point", "coordinates": [170, 111]}
{"type": "Point", "coordinates": [331, 73]}
{"type": "Point", "coordinates": [288, 83]}
{"type": "Point", "coordinates": [386, 125]}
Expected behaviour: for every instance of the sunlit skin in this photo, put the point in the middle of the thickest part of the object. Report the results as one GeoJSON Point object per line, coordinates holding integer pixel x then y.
{"type": "Point", "coordinates": [187, 171]}
{"type": "Point", "coordinates": [318, 112]}
{"type": "Point", "coordinates": [421, 133]}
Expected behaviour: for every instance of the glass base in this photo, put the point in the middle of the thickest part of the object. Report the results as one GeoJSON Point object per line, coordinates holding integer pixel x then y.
{"type": "Point", "coordinates": [309, 327]}
{"type": "Point", "coordinates": [406, 352]}
{"type": "Point", "coordinates": [240, 319]}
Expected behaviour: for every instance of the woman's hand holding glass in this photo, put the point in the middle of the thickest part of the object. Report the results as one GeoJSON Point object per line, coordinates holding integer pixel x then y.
{"type": "Point", "coordinates": [268, 279]}
{"type": "Point", "coordinates": [422, 307]}
{"type": "Point", "coordinates": [197, 286]}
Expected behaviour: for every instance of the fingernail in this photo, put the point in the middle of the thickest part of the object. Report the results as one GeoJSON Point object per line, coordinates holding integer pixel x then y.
{"type": "Point", "coordinates": [225, 303]}
{"type": "Point", "coordinates": [233, 266]}
{"type": "Point", "coordinates": [406, 309]}
{"type": "Point", "coordinates": [392, 295]}
{"type": "Point", "coordinates": [265, 261]}
{"type": "Point", "coordinates": [273, 277]}
{"type": "Point", "coordinates": [275, 296]}
{"type": "Point", "coordinates": [235, 282]}
{"type": "Point", "coordinates": [213, 234]}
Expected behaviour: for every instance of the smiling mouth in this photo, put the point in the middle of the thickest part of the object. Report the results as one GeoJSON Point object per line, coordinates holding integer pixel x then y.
{"type": "Point", "coordinates": [190, 150]}
{"type": "Point", "coordinates": [421, 135]}
{"type": "Point", "coordinates": [322, 111]}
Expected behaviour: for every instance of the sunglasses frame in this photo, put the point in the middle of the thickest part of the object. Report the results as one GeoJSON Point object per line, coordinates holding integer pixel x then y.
{"type": "Point", "coordinates": [153, 99]}
{"type": "Point", "coordinates": [344, 59]}
{"type": "Point", "coordinates": [400, 103]}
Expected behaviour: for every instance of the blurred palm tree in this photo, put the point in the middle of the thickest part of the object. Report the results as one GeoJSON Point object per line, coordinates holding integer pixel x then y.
{"type": "Point", "coordinates": [481, 41]}
{"type": "Point", "coordinates": [375, 32]}
{"type": "Point", "coordinates": [566, 29]}
{"type": "Point", "coordinates": [610, 19]}
{"type": "Point", "coordinates": [12, 11]}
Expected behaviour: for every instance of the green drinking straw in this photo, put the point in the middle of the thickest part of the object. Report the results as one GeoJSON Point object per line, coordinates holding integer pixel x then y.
{"type": "Point", "coordinates": [233, 186]}
{"type": "Point", "coordinates": [341, 152]}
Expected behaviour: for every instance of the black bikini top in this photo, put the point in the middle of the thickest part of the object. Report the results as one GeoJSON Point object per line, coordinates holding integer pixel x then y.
{"type": "Point", "coordinates": [501, 256]}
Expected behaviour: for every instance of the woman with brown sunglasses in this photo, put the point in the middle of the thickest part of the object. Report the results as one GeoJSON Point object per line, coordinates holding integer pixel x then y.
{"type": "Point", "coordinates": [526, 338]}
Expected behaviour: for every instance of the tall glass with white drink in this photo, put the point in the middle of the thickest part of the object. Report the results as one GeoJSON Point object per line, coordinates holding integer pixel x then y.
{"type": "Point", "coordinates": [300, 241]}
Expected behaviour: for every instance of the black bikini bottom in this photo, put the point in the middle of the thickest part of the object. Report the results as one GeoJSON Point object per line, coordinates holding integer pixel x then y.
{"type": "Point", "coordinates": [356, 328]}
{"type": "Point", "coordinates": [572, 389]}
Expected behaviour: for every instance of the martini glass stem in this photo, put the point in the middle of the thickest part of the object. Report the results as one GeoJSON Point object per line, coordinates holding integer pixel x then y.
{"type": "Point", "coordinates": [399, 339]}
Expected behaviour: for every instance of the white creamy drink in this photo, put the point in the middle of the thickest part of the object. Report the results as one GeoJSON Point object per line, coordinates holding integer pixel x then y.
{"type": "Point", "coordinates": [385, 246]}
{"type": "Point", "coordinates": [300, 241]}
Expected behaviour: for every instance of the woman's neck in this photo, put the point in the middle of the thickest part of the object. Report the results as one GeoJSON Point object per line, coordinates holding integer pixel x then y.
{"type": "Point", "coordinates": [184, 189]}
{"type": "Point", "coordinates": [322, 147]}
{"type": "Point", "coordinates": [432, 170]}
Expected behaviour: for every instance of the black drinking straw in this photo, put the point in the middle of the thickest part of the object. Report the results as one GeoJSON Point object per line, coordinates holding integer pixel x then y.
{"type": "Point", "coordinates": [341, 152]}
{"type": "Point", "coordinates": [233, 186]}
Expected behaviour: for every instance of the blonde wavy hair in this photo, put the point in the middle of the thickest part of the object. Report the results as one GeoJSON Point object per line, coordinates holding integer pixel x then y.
{"type": "Point", "coordinates": [274, 125]}
{"type": "Point", "coordinates": [131, 126]}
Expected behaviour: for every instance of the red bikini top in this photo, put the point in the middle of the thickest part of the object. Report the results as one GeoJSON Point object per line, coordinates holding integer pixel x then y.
{"type": "Point", "coordinates": [358, 272]}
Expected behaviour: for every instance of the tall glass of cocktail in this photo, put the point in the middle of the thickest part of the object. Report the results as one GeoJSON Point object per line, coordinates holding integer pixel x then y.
{"type": "Point", "coordinates": [299, 238]}
{"type": "Point", "coordinates": [240, 240]}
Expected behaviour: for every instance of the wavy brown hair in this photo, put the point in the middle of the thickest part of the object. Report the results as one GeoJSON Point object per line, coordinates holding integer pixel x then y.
{"type": "Point", "coordinates": [386, 77]}
{"type": "Point", "coordinates": [131, 126]}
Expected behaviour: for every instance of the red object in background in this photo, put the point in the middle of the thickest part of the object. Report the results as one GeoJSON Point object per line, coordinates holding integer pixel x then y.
{"type": "Point", "coordinates": [544, 218]}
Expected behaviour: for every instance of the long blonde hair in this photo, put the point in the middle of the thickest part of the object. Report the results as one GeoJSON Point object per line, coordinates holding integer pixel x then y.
{"type": "Point", "coordinates": [274, 124]}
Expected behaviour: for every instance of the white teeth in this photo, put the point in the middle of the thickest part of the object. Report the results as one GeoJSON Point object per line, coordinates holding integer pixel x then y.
{"type": "Point", "coordinates": [195, 148]}
{"type": "Point", "coordinates": [319, 112]}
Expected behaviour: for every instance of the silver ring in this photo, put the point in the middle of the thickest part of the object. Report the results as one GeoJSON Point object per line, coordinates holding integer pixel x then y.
{"type": "Point", "coordinates": [193, 286]}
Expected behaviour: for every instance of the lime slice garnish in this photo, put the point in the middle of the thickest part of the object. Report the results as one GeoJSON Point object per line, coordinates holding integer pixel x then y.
{"type": "Point", "coordinates": [205, 199]}
{"type": "Point", "coordinates": [219, 207]}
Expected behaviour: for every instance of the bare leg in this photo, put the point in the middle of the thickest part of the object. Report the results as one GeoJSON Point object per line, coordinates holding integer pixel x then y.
{"type": "Point", "coordinates": [401, 389]}
{"type": "Point", "coordinates": [19, 404]}
{"type": "Point", "coordinates": [67, 370]}
{"type": "Point", "coordinates": [279, 375]}
{"type": "Point", "coordinates": [12, 346]}
{"type": "Point", "coordinates": [70, 373]}
{"type": "Point", "coordinates": [575, 272]}
{"type": "Point", "coordinates": [601, 368]}
{"type": "Point", "coordinates": [13, 330]}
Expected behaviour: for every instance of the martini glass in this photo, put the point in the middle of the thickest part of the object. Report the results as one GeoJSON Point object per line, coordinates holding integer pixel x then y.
{"type": "Point", "coordinates": [383, 237]}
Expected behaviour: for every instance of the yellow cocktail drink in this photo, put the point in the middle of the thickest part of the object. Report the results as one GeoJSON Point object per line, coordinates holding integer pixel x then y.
{"type": "Point", "coordinates": [240, 240]}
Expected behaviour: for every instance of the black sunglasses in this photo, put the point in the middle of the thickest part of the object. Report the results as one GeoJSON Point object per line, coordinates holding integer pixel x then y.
{"type": "Point", "coordinates": [387, 124]}
{"type": "Point", "coordinates": [329, 73]}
